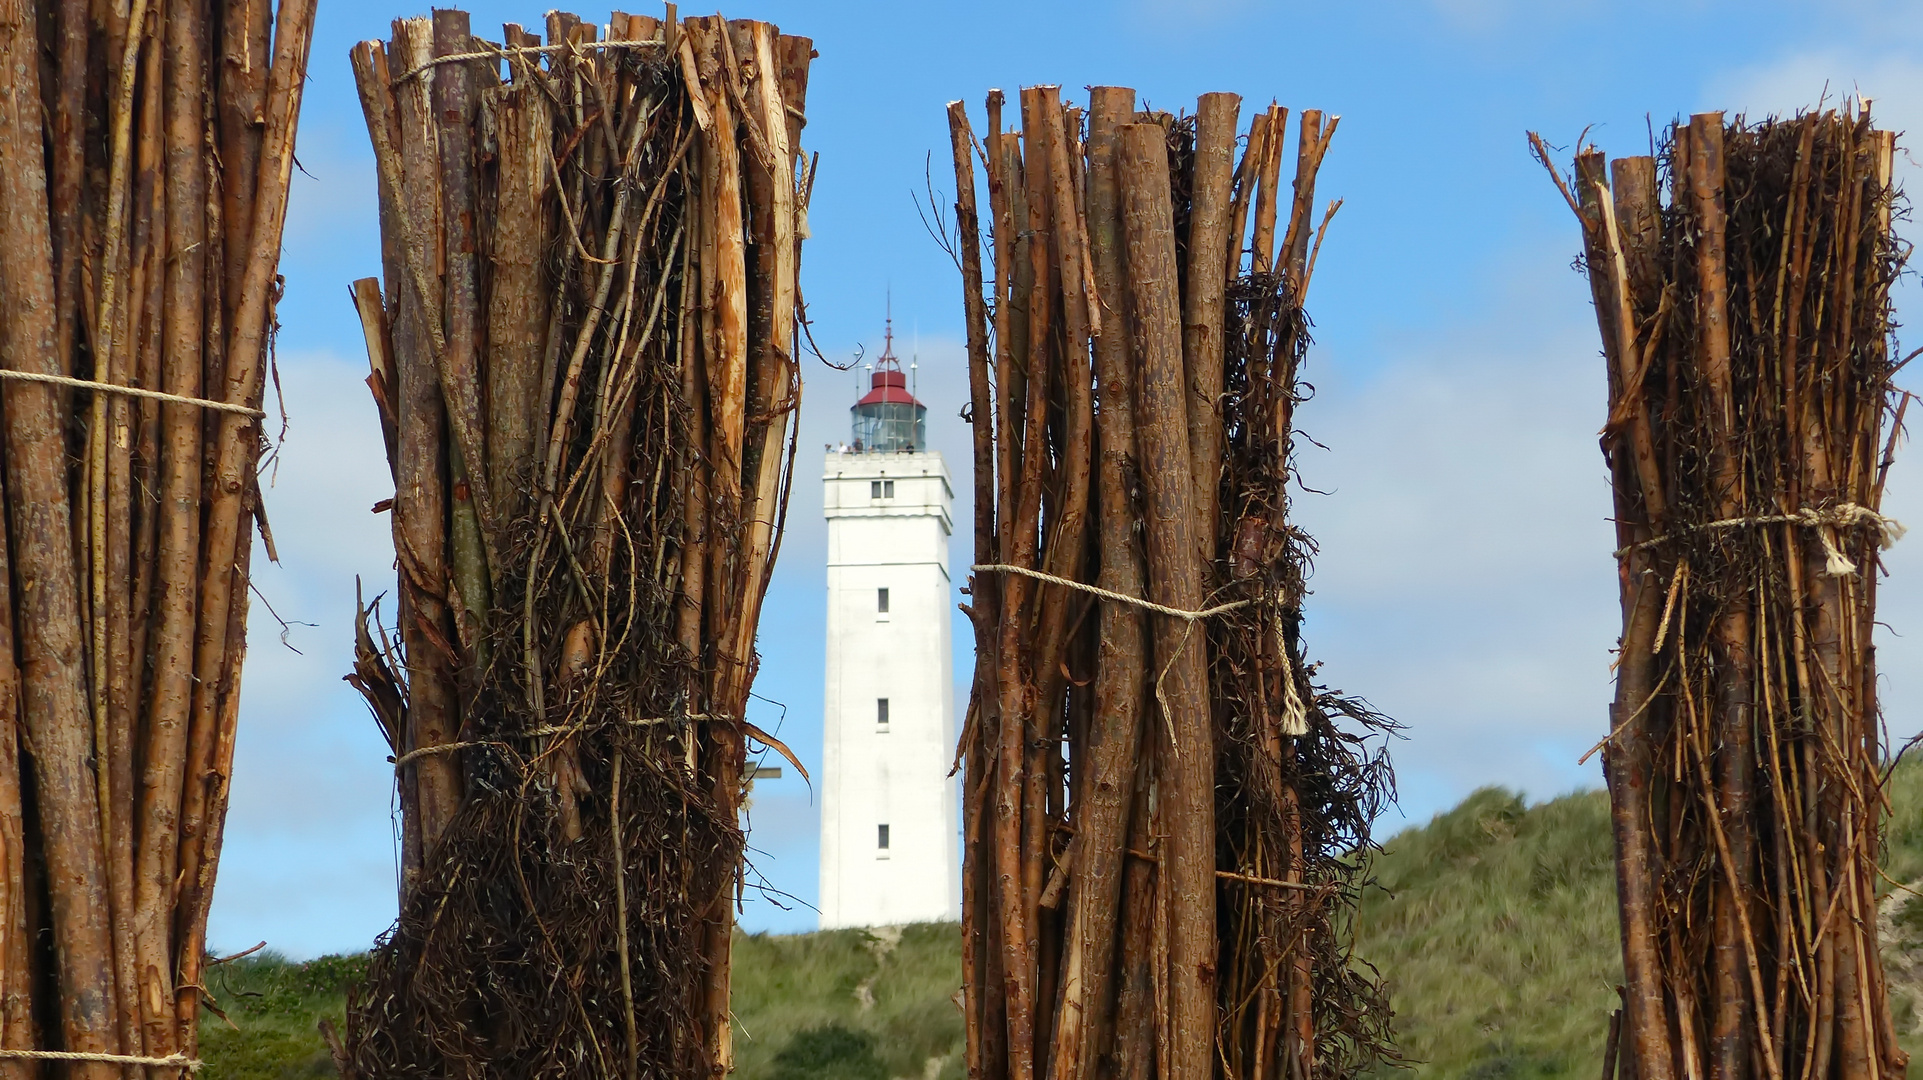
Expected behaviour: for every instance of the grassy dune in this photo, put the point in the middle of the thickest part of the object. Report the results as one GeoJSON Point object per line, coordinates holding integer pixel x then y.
{"type": "Point", "coordinates": [1496, 927]}
{"type": "Point", "coordinates": [1495, 924]}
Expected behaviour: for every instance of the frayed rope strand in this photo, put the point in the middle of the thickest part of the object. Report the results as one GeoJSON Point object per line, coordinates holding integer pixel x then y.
{"type": "Point", "coordinates": [1825, 521]}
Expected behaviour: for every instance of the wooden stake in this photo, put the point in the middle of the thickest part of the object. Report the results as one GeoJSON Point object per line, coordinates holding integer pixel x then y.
{"type": "Point", "coordinates": [1202, 306]}
{"type": "Point", "coordinates": [1268, 178]}
{"type": "Point", "coordinates": [518, 299]}
{"type": "Point", "coordinates": [53, 686]}
{"type": "Point", "coordinates": [1120, 675]}
{"type": "Point", "coordinates": [17, 1028]}
{"type": "Point", "coordinates": [1626, 762]}
{"type": "Point", "coordinates": [1174, 579]}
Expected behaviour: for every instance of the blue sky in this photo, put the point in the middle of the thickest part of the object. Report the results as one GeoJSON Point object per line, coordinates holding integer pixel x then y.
{"type": "Point", "coordinates": [1464, 584]}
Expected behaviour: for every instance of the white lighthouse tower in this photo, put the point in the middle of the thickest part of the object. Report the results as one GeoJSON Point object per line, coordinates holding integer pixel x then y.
{"type": "Point", "coordinates": [888, 813]}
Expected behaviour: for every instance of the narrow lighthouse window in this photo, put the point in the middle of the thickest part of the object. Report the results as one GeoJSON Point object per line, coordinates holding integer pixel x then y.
{"type": "Point", "coordinates": [881, 601]}
{"type": "Point", "coordinates": [882, 839]}
{"type": "Point", "coordinates": [887, 489]}
{"type": "Point", "coordinates": [874, 489]}
{"type": "Point", "coordinates": [881, 712]}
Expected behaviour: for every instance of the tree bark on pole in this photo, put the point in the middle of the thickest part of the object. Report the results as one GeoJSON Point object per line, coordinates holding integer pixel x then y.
{"type": "Point", "coordinates": [1730, 1034]}
{"type": "Point", "coordinates": [1174, 579]}
{"type": "Point", "coordinates": [1626, 761]}
{"type": "Point", "coordinates": [1211, 192]}
{"type": "Point", "coordinates": [977, 899]}
{"type": "Point", "coordinates": [52, 680]}
{"type": "Point", "coordinates": [1116, 737]}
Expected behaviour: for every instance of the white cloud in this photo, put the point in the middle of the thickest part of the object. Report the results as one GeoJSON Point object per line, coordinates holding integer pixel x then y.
{"type": "Point", "coordinates": [1892, 79]}
{"type": "Point", "coordinates": [1464, 585]}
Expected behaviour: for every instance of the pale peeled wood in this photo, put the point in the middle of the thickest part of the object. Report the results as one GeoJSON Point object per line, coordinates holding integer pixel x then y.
{"type": "Point", "coordinates": [1267, 174]}
{"type": "Point", "coordinates": [518, 299]}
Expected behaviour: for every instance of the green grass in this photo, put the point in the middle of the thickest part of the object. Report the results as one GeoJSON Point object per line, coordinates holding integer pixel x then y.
{"type": "Point", "coordinates": [1495, 924]}
{"type": "Point", "coordinates": [837, 1005]}
{"type": "Point", "coordinates": [898, 992]}
{"type": "Point", "coordinates": [273, 1011]}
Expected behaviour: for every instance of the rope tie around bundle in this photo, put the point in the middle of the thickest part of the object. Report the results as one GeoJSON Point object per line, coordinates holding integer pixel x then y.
{"type": "Point", "coordinates": [1121, 598]}
{"type": "Point", "coordinates": [1825, 520]}
{"type": "Point", "coordinates": [171, 1061]}
{"type": "Point", "coordinates": [130, 391]}
{"type": "Point", "coordinates": [1295, 714]}
{"type": "Point", "coordinates": [550, 731]}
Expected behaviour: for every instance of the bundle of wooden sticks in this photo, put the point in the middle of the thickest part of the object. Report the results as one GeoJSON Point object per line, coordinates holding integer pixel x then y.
{"type": "Point", "coordinates": [145, 150]}
{"type": "Point", "coordinates": [1746, 325]}
{"type": "Point", "coordinates": [1165, 825]}
{"type": "Point", "coordinates": [583, 355]}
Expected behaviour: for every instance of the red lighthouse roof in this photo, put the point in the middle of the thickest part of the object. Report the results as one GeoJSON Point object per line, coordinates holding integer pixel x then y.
{"type": "Point", "coordinates": [889, 387]}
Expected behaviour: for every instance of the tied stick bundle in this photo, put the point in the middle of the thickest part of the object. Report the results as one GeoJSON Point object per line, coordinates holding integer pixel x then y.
{"type": "Point", "coordinates": [1166, 828]}
{"type": "Point", "coordinates": [583, 356]}
{"type": "Point", "coordinates": [145, 151]}
{"type": "Point", "coordinates": [1746, 325]}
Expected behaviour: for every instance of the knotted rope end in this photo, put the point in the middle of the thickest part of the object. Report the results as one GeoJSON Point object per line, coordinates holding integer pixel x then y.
{"type": "Point", "coordinates": [1825, 521]}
